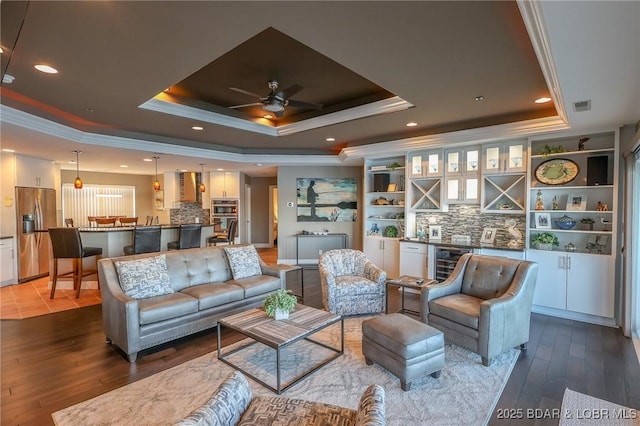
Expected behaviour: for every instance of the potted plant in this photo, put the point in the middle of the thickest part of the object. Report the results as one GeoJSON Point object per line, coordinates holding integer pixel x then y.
{"type": "Point", "coordinates": [545, 241]}
{"type": "Point", "coordinates": [280, 304]}
{"type": "Point", "coordinates": [587, 223]}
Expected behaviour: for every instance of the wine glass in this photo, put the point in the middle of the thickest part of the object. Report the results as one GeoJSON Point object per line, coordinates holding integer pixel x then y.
{"type": "Point", "coordinates": [493, 163]}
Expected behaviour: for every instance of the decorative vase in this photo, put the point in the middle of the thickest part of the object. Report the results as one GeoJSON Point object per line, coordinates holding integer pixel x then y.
{"type": "Point", "coordinates": [543, 246]}
{"type": "Point", "coordinates": [565, 222]}
{"type": "Point", "coordinates": [281, 314]}
{"type": "Point", "coordinates": [587, 226]}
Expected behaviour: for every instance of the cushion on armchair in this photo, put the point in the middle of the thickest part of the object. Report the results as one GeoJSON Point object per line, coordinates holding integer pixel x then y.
{"type": "Point", "coordinates": [226, 405]}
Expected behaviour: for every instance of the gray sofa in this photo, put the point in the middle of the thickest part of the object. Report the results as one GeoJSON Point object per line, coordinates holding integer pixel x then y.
{"type": "Point", "coordinates": [484, 305]}
{"type": "Point", "coordinates": [179, 293]}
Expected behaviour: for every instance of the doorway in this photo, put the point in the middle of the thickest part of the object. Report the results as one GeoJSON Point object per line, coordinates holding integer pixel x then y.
{"type": "Point", "coordinates": [247, 212]}
{"type": "Point", "coordinates": [273, 215]}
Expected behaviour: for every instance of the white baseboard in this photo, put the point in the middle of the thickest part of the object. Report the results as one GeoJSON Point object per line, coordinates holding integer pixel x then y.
{"type": "Point", "coordinates": [576, 316]}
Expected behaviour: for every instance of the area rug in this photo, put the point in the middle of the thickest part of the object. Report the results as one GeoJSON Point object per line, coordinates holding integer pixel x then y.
{"type": "Point", "coordinates": [580, 409]}
{"type": "Point", "coordinates": [465, 393]}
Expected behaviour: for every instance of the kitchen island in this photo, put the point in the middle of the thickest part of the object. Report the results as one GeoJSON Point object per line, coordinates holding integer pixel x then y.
{"type": "Point", "coordinates": [112, 241]}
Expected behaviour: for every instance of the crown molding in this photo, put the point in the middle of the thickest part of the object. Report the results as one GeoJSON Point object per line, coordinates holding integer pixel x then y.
{"type": "Point", "coordinates": [495, 133]}
{"type": "Point", "coordinates": [165, 104]}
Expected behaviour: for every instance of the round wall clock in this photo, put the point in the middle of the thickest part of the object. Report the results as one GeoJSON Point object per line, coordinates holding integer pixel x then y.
{"type": "Point", "coordinates": [557, 171]}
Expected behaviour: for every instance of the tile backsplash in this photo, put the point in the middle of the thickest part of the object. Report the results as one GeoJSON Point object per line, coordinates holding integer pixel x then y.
{"type": "Point", "coordinates": [188, 212]}
{"type": "Point", "coordinates": [467, 220]}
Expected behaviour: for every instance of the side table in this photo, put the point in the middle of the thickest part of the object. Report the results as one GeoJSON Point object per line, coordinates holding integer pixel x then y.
{"type": "Point", "coordinates": [406, 281]}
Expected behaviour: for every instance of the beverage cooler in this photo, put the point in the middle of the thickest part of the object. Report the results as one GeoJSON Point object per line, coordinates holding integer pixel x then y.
{"type": "Point", "coordinates": [446, 260]}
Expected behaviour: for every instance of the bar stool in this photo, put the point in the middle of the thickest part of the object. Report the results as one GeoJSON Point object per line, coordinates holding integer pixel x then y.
{"type": "Point", "coordinates": [106, 221]}
{"type": "Point", "coordinates": [67, 244]}
{"type": "Point", "coordinates": [128, 221]}
{"type": "Point", "coordinates": [188, 237]}
{"type": "Point", "coordinates": [146, 239]}
{"type": "Point", "coordinates": [229, 238]}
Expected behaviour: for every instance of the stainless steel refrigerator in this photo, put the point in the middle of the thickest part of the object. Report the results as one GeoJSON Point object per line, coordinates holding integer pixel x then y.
{"type": "Point", "coordinates": [36, 213]}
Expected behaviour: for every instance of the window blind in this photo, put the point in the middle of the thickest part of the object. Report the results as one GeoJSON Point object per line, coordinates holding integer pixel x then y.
{"type": "Point", "coordinates": [97, 200]}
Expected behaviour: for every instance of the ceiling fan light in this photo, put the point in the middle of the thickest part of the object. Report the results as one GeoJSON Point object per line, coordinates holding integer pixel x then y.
{"type": "Point", "coordinates": [274, 107]}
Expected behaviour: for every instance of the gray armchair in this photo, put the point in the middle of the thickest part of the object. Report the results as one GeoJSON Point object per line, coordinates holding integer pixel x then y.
{"type": "Point", "coordinates": [351, 284]}
{"type": "Point", "coordinates": [484, 305]}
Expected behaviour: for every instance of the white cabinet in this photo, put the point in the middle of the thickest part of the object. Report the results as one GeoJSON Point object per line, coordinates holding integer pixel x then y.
{"type": "Point", "coordinates": [575, 282]}
{"type": "Point", "coordinates": [462, 175]}
{"type": "Point", "coordinates": [384, 253]}
{"type": "Point", "coordinates": [504, 158]}
{"type": "Point", "coordinates": [34, 172]}
{"type": "Point", "coordinates": [7, 255]}
{"type": "Point", "coordinates": [511, 254]}
{"type": "Point", "coordinates": [426, 164]}
{"type": "Point", "coordinates": [413, 259]}
{"type": "Point", "coordinates": [225, 184]}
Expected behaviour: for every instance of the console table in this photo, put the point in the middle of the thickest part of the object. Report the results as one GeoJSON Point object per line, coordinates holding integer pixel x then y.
{"type": "Point", "coordinates": [317, 243]}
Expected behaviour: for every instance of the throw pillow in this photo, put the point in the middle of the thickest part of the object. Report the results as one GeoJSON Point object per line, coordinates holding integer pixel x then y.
{"type": "Point", "coordinates": [142, 278]}
{"type": "Point", "coordinates": [226, 405]}
{"type": "Point", "coordinates": [244, 261]}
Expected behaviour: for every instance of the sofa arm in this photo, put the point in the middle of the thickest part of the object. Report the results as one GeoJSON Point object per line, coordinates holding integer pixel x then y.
{"type": "Point", "coordinates": [371, 410]}
{"type": "Point", "coordinates": [278, 270]}
{"type": "Point", "coordinates": [120, 313]}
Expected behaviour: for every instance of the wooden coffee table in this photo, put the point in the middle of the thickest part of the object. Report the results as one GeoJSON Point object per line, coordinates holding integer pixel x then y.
{"type": "Point", "coordinates": [302, 323]}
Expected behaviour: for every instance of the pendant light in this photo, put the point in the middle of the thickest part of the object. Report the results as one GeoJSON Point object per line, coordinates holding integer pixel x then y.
{"type": "Point", "coordinates": [156, 183]}
{"type": "Point", "coordinates": [77, 184]}
{"type": "Point", "coordinates": [202, 187]}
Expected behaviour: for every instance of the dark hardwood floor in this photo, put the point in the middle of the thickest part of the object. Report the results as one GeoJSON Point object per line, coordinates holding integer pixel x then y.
{"type": "Point", "coordinates": [54, 361]}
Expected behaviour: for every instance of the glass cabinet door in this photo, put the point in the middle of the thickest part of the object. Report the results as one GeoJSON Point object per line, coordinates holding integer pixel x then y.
{"type": "Point", "coordinates": [504, 158]}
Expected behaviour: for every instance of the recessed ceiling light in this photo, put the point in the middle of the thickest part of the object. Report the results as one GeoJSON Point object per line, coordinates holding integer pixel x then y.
{"type": "Point", "coordinates": [259, 164]}
{"type": "Point", "coordinates": [197, 127]}
{"type": "Point", "coordinates": [220, 170]}
{"type": "Point", "coordinates": [8, 78]}
{"type": "Point", "coordinates": [123, 166]}
{"type": "Point", "coordinates": [147, 159]}
{"type": "Point", "coordinates": [542, 100]}
{"type": "Point", "coordinates": [268, 116]}
{"type": "Point", "coordinates": [89, 109]}
{"type": "Point", "coordinates": [8, 150]}
{"type": "Point", "coordinates": [412, 124]}
{"type": "Point", "coordinates": [331, 139]}
{"type": "Point", "coordinates": [1, 50]}
{"type": "Point", "coordinates": [46, 69]}
{"type": "Point", "coordinates": [479, 98]}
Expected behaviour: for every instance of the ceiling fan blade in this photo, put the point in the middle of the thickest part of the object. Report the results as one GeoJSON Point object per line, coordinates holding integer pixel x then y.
{"type": "Point", "coordinates": [301, 104]}
{"type": "Point", "coordinates": [246, 105]}
{"type": "Point", "coordinates": [246, 92]}
{"type": "Point", "coordinates": [289, 91]}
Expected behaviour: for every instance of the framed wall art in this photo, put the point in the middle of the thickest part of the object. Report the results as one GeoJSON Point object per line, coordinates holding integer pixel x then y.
{"type": "Point", "coordinates": [327, 199]}
{"type": "Point", "coordinates": [435, 232]}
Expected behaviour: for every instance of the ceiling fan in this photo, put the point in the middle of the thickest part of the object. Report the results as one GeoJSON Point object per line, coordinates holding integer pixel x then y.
{"type": "Point", "coordinates": [276, 101]}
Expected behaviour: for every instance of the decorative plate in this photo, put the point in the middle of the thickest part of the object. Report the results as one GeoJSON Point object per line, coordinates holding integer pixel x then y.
{"type": "Point", "coordinates": [557, 171]}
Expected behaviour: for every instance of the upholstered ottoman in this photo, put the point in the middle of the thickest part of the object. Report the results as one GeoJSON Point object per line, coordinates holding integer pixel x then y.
{"type": "Point", "coordinates": [404, 346]}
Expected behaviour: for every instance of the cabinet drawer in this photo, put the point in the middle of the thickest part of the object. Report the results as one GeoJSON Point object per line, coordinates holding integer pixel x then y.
{"type": "Point", "coordinates": [418, 248]}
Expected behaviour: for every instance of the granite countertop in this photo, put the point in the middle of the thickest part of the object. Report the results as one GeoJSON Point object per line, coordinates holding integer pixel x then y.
{"type": "Point", "coordinates": [473, 245]}
{"type": "Point", "coordinates": [4, 237]}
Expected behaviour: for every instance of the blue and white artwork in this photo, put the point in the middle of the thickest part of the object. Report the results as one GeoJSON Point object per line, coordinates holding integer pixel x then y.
{"type": "Point", "coordinates": [327, 199]}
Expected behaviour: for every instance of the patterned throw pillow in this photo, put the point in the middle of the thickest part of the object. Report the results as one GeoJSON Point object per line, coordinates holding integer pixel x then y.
{"type": "Point", "coordinates": [142, 278]}
{"type": "Point", "coordinates": [244, 261]}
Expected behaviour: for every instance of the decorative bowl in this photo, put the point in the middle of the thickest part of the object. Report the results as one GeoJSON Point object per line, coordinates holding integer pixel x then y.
{"type": "Point", "coordinates": [565, 222]}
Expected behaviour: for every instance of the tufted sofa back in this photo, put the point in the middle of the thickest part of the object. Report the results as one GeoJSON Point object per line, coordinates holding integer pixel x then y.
{"type": "Point", "coordinates": [488, 277]}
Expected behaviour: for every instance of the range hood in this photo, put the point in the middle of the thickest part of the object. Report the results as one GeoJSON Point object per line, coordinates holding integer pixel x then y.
{"type": "Point", "coordinates": [189, 183]}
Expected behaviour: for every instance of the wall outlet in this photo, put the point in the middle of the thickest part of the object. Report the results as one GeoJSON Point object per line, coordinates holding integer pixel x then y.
{"type": "Point", "coordinates": [319, 252]}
